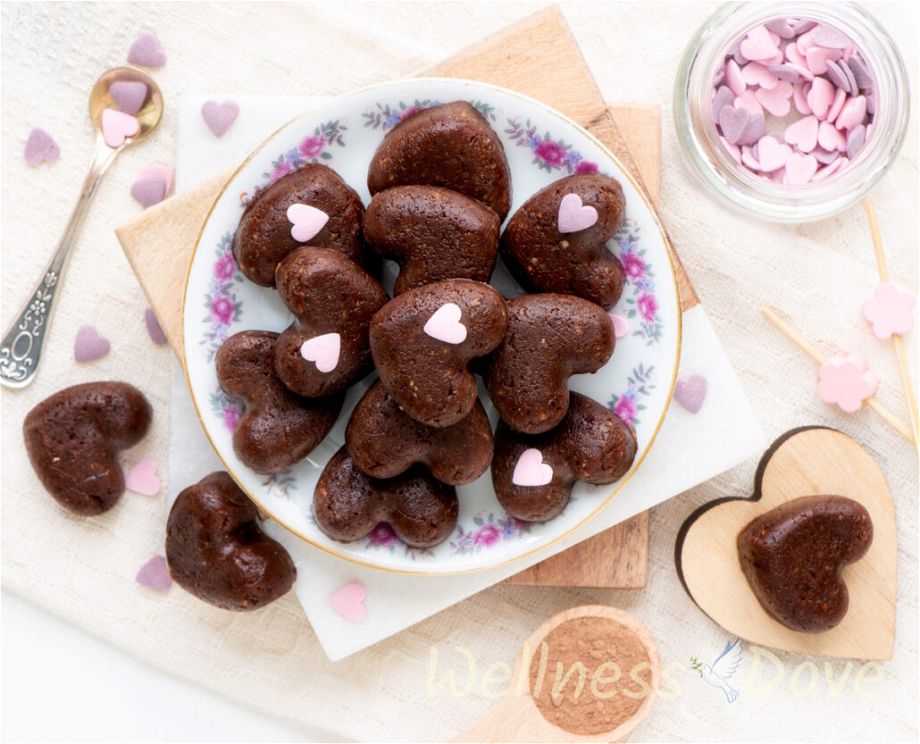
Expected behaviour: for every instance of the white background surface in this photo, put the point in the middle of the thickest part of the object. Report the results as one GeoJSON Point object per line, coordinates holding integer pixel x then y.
{"type": "Point", "coordinates": [818, 274]}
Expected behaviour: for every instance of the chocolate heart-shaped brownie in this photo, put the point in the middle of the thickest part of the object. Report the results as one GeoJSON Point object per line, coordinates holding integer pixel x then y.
{"type": "Point", "coordinates": [533, 474]}
{"type": "Point", "coordinates": [311, 206]}
{"type": "Point", "coordinates": [333, 300]}
{"type": "Point", "coordinates": [384, 442]}
{"type": "Point", "coordinates": [550, 337]}
{"type": "Point", "coordinates": [73, 439]}
{"type": "Point", "coordinates": [424, 339]}
{"type": "Point", "coordinates": [217, 551]}
{"type": "Point", "coordinates": [278, 428]}
{"type": "Point", "coordinates": [792, 557]}
{"type": "Point", "coordinates": [451, 145]}
{"type": "Point", "coordinates": [557, 241]}
{"type": "Point", "coordinates": [433, 234]}
{"type": "Point", "coordinates": [348, 504]}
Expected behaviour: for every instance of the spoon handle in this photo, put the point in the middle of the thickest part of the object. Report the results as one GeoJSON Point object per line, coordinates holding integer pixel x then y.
{"type": "Point", "coordinates": [21, 349]}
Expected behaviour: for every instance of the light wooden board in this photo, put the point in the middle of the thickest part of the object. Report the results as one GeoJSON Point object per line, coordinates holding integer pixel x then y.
{"type": "Point", "coordinates": [805, 462]}
{"type": "Point", "coordinates": [516, 718]}
{"type": "Point", "coordinates": [547, 64]}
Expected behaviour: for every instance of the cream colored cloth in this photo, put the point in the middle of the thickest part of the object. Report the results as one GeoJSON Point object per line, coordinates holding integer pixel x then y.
{"type": "Point", "coordinates": [83, 569]}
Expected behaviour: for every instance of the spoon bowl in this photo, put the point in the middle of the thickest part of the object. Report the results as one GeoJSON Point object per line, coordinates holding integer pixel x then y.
{"type": "Point", "coordinates": [151, 110]}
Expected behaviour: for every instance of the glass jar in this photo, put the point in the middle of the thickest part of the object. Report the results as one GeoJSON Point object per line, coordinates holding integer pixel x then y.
{"type": "Point", "coordinates": [736, 185]}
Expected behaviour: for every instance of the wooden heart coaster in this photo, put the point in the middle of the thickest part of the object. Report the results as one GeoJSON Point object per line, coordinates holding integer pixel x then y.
{"type": "Point", "coordinates": [809, 461]}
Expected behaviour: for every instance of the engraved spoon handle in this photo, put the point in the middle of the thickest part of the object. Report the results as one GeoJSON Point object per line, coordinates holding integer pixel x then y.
{"type": "Point", "coordinates": [21, 349]}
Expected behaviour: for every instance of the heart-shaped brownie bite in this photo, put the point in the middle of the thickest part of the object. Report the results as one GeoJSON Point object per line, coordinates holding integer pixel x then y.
{"type": "Point", "coordinates": [533, 474]}
{"type": "Point", "coordinates": [278, 428]}
{"type": "Point", "coordinates": [423, 341]}
{"type": "Point", "coordinates": [433, 234]}
{"type": "Point", "coordinates": [217, 551]}
{"type": "Point", "coordinates": [311, 206]}
{"type": "Point", "coordinates": [549, 338]}
{"type": "Point", "coordinates": [333, 300]}
{"type": "Point", "coordinates": [348, 504]}
{"type": "Point", "coordinates": [792, 557]}
{"type": "Point", "coordinates": [791, 567]}
{"type": "Point", "coordinates": [73, 439]}
{"type": "Point", "coordinates": [384, 441]}
{"type": "Point", "coordinates": [451, 145]}
{"type": "Point", "coordinates": [557, 240]}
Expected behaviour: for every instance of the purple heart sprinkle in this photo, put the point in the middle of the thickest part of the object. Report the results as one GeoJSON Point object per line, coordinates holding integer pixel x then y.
{"type": "Point", "coordinates": [870, 101]}
{"type": "Point", "coordinates": [153, 328]}
{"type": "Point", "coordinates": [129, 95]}
{"type": "Point", "coordinates": [824, 156]}
{"type": "Point", "coordinates": [691, 393]}
{"type": "Point", "coordinates": [753, 130]}
{"type": "Point", "coordinates": [154, 574]}
{"type": "Point", "coordinates": [786, 73]}
{"type": "Point", "coordinates": [89, 345]}
{"type": "Point", "coordinates": [146, 51]}
{"type": "Point", "coordinates": [829, 37]}
{"type": "Point", "coordinates": [220, 116]}
{"type": "Point", "coordinates": [855, 140]}
{"type": "Point", "coordinates": [782, 27]}
{"type": "Point", "coordinates": [733, 122]}
{"type": "Point", "coordinates": [41, 147]}
{"type": "Point", "coordinates": [149, 191]}
{"type": "Point", "coordinates": [720, 76]}
{"type": "Point", "coordinates": [860, 71]}
{"type": "Point", "coordinates": [723, 97]}
{"type": "Point", "coordinates": [837, 76]}
{"type": "Point", "coordinates": [735, 51]}
{"type": "Point", "coordinates": [803, 27]}
{"type": "Point", "coordinates": [851, 78]}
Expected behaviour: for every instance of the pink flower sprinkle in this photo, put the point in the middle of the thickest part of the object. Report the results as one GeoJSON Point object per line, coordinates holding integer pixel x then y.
{"type": "Point", "coordinates": [222, 310]}
{"type": "Point", "coordinates": [648, 306]}
{"type": "Point", "coordinates": [891, 310]}
{"type": "Point", "coordinates": [312, 146]}
{"type": "Point", "coordinates": [225, 267]}
{"type": "Point", "coordinates": [487, 535]}
{"type": "Point", "coordinates": [550, 153]}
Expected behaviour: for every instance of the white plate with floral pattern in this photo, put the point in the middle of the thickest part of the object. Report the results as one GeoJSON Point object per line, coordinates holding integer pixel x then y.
{"type": "Point", "coordinates": [542, 146]}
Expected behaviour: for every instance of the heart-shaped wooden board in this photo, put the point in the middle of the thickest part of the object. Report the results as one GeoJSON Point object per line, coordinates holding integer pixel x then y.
{"type": "Point", "coordinates": [803, 462]}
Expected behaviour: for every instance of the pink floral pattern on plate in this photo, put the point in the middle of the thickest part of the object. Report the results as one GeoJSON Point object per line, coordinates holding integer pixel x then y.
{"type": "Point", "coordinates": [385, 116]}
{"type": "Point", "coordinates": [628, 405]}
{"type": "Point", "coordinates": [549, 154]}
{"type": "Point", "coordinates": [220, 302]}
{"type": "Point", "coordinates": [488, 530]}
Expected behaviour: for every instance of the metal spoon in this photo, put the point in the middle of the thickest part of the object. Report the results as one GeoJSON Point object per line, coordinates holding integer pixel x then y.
{"type": "Point", "coordinates": [21, 349]}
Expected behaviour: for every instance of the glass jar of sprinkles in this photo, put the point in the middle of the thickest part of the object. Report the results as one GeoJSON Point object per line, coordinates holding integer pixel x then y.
{"type": "Point", "coordinates": [791, 111]}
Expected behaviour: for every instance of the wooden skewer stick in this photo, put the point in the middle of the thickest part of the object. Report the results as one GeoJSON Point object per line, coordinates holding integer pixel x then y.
{"type": "Point", "coordinates": [790, 333]}
{"type": "Point", "coordinates": [899, 348]}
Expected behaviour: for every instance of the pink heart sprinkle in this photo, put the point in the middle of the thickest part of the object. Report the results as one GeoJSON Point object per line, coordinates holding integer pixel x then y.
{"type": "Point", "coordinates": [846, 381]}
{"type": "Point", "coordinates": [827, 36]}
{"type": "Point", "coordinates": [117, 127]}
{"type": "Point", "coordinates": [748, 101]}
{"type": "Point", "coordinates": [799, 98]}
{"type": "Point", "coordinates": [574, 216]}
{"type": "Point", "coordinates": [89, 345]}
{"type": "Point", "coordinates": [890, 310]}
{"type": "Point", "coordinates": [852, 113]}
{"type": "Point", "coordinates": [323, 351]}
{"type": "Point", "coordinates": [220, 116]}
{"type": "Point", "coordinates": [154, 574]}
{"type": "Point", "coordinates": [691, 393]}
{"type": "Point", "coordinates": [817, 58]}
{"type": "Point", "coordinates": [758, 44]}
{"type": "Point", "coordinates": [796, 57]}
{"type": "Point", "coordinates": [799, 169]}
{"type": "Point", "coordinates": [143, 478]}
{"type": "Point", "coordinates": [803, 134]}
{"type": "Point", "coordinates": [163, 172]}
{"type": "Point", "coordinates": [530, 470]}
{"type": "Point", "coordinates": [41, 147]}
{"type": "Point", "coordinates": [153, 328]}
{"type": "Point", "coordinates": [306, 221]}
{"type": "Point", "coordinates": [149, 191]}
{"type": "Point", "coordinates": [829, 138]}
{"type": "Point", "coordinates": [820, 97]}
{"type": "Point", "coordinates": [734, 78]}
{"type": "Point", "coordinates": [830, 170]}
{"type": "Point", "coordinates": [146, 51]}
{"type": "Point", "coordinates": [839, 99]}
{"type": "Point", "coordinates": [776, 101]}
{"type": "Point", "coordinates": [772, 154]}
{"type": "Point", "coordinates": [855, 140]}
{"type": "Point", "coordinates": [756, 74]}
{"type": "Point", "coordinates": [349, 602]}
{"type": "Point", "coordinates": [620, 325]}
{"type": "Point", "coordinates": [444, 324]}
{"type": "Point", "coordinates": [129, 95]}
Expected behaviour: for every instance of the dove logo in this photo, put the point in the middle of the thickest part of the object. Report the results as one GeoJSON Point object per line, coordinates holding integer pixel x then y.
{"type": "Point", "coordinates": [722, 669]}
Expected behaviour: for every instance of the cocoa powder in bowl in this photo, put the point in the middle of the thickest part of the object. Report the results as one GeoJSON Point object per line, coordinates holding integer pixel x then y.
{"type": "Point", "coordinates": [590, 675]}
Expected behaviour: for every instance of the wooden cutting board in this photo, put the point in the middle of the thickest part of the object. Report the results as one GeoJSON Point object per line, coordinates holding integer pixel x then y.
{"type": "Point", "coordinates": [539, 57]}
